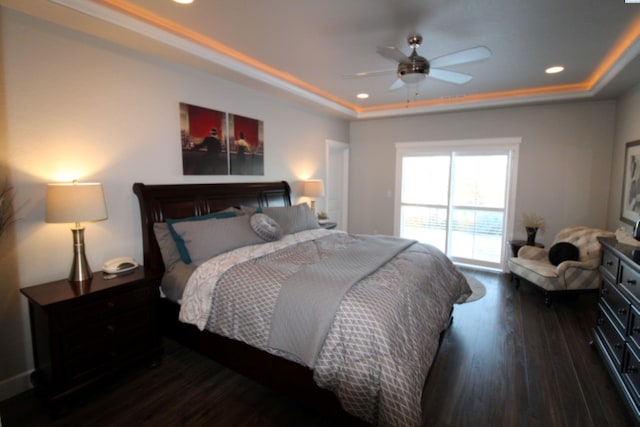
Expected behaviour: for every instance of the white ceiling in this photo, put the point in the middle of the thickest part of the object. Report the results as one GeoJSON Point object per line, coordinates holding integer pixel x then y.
{"type": "Point", "coordinates": [302, 48]}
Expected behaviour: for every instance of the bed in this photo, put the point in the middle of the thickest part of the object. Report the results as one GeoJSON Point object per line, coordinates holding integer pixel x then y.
{"type": "Point", "coordinates": [249, 306]}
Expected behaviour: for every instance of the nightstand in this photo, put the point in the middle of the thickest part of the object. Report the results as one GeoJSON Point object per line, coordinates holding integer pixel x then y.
{"type": "Point", "coordinates": [329, 225]}
{"type": "Point", "coordinates": [84, 334]}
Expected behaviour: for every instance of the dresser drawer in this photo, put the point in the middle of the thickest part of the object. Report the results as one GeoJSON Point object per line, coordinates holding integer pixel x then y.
{"type": "Point", "coordinates": [617, 304]}
{"type": "Point", "coordinates": [630, 280]}
{"type": "Point", "coordinates": [613, 339]}
{"type": "Point", "coordinates": [633, 334]}
{"type": "Point", "coordinates": [631, 373]}
{"type": "Point", "coordinates": [609, 265]}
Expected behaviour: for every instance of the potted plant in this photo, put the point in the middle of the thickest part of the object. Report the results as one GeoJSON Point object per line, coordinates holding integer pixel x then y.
{"type": "Point", "coordinates": [322, 217]}
{"type": "Point", "coordinates": [532, 224]}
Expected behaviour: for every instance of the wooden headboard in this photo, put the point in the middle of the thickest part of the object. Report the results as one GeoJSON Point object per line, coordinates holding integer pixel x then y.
{"type": "Point", "coordinates": [159, 202]}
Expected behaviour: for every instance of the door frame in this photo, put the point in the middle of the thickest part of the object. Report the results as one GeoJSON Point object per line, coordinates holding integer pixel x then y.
{"type": "Point", "coordinates": [341, 147]}
{"type": "Point", "coordinates": [512, 144]}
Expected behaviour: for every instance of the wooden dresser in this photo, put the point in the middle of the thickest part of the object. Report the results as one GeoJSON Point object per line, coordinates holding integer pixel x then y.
{"type": "Point", "coordinates": [617, 331]}
{"type": "Point", "coordinates": [83, 333]}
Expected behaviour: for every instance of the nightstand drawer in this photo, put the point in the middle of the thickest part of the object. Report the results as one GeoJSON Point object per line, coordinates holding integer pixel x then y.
{"type": "Point", "coordinates": [85, 361]}
{"type": "Point", "coordinates": [96, 310]}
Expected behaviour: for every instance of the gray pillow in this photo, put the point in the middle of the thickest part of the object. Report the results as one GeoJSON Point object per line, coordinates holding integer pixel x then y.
{"type": "Point", "coordinates": [266, 227]}
{"type": "Point", "coordinates": [208, 238]}
{"type": "Point", "coordinates": [233, 209]}
{"type": "Point", "coordinates": [293, 219]}
{"type": "Point", "coordinates": [167, 244]}
{"type": "Point", "coordinates": [249, 210]}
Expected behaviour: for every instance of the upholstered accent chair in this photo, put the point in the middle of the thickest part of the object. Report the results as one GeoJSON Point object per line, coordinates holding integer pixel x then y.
{"type": "Point", "coordinates": [572, 272]}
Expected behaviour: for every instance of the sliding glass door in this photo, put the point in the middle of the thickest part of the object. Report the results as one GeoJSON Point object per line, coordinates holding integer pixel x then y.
{"type": "Point", "coordinates": [457, 200]}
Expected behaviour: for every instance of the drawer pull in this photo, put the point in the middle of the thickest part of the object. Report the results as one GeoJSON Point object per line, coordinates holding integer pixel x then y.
{"type": "Point", "coordinates": [632, 369]}
{"type": "Point", "coordinates": [635, 330]}
{"type": "Point", "coordinates": [604, 291]}
{"type": "Point", "coordinates": [622, 311]}
{"type": "Point", "coordinates": [618, 346]}
{"type": "Point", "coordinates": [600, 321]}
{"type": "Point", "coordinates": [111, 305]}
{"type": "Point", "coordinates": [608, 263]}
{"type": "Point", "coordinates": [631, 281]}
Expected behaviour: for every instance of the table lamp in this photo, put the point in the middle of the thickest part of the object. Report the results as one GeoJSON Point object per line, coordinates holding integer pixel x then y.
{"type": "Point", "coordinates": [313, 188]}
{"type": "Point", "coordinates": [76, 202]}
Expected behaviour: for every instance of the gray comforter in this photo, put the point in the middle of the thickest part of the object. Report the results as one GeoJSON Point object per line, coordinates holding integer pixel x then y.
{"type": "Point", "coordinates": [385, 333]}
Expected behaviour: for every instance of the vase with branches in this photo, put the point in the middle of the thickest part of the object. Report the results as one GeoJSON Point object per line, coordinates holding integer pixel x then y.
{"type": "Point", "coordinates": [533, 224]}
{"type": "Point", "coordinates": [6, 207]}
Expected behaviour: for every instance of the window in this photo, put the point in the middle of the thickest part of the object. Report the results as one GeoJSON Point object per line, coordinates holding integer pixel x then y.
{"type": "Point", "coordinates": [456, 196]}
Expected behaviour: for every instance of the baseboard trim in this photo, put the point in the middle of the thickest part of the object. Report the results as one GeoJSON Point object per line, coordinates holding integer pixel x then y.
{"type": "Point", "coordinates": [14, 385]}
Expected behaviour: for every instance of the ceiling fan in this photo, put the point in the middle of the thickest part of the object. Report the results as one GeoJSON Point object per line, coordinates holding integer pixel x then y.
{"type": "Point", "coordinates": [415, 68]}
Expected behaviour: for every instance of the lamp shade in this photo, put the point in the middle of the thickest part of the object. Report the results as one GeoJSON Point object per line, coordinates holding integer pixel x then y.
{"type": "Point", "coordinates": [313, 188]}
{"type": "Point", "coordinates": [75, 202]}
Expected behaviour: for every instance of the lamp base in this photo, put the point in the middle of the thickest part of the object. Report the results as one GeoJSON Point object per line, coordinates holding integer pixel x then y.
{"type": "Point", "coordinates": [313, 206]}
{"type": "Point", "coordinates": [80, 270]}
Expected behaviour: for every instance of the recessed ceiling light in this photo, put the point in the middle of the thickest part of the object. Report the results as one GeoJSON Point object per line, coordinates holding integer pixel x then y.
{"type": "Point", "coordinates": [362, 95]}
{"type": "Point", "coordinates": [555, 69]}
{"type": "Point", "coordinates": [183, 1]}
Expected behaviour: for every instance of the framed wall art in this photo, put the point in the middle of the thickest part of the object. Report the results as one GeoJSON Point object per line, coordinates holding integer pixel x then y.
{"type": "Point", "coordinates": [246, 145]}
{"type": "Point", "coordinates": [218, 143]}
{"type": "Point", "coordinates": [630, 205]}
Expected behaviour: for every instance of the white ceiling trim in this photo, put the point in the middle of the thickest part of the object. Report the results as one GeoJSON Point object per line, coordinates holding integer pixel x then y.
{"type": "Point", "coordinates": [122, 20]}
{"type": "Point", "coordinates": [629, 55]}
{"type": "Point", "coordinates": [461, 105]}
{"type": "Point", "coordinates": [108, 15]}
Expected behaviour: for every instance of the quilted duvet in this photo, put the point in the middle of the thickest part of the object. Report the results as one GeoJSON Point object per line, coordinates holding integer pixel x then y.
{"type": "Point", "coordinates": [384, 335]}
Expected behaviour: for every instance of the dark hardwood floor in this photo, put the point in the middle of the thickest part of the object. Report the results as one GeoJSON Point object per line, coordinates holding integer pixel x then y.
{"type": "Point", "coordinates": [506, 360]}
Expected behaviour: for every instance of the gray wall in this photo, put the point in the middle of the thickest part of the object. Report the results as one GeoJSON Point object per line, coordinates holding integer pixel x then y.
{"type": "Point", "coordinates": [75, 107]}
{"type": "Point", "coordinates": [627, 130]}
{"type": "Point", "coordinates": [564, 163]}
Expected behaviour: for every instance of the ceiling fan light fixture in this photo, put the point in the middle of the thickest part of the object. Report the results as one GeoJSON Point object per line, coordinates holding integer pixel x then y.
{"type": "Point", "coordinates": [415, 70]}
{"type": "Point", "coordinates": [183, 1]}
{"type": "Point", "coordinates": [362, 95]}
{"type": "Point", "coordinates": [411, 78]}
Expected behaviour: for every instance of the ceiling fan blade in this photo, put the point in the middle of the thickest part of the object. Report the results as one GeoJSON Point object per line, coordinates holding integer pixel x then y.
{"type": "Point", "coordinates": [392, 54]}
{"type": "Point", "coordinates": [450, 76]}
{"type": "Point", "coordinates": [396, 85]}
{"type": "Point", "coordinates": [461, 57]}
{"type": "Point", "coordinates": [368, 74]}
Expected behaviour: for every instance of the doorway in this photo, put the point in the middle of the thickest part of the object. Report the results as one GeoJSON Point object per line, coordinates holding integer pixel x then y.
{"type": "Point", "coordinates": [337, 186]}
{"type": "Point", "coordinates": [458, 198]}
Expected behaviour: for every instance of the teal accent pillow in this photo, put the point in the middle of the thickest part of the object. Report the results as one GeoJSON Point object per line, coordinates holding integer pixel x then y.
{"type": "Point", "coordinates": [182, 249]}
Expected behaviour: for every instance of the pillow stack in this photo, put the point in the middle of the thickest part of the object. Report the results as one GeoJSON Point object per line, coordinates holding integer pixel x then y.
{"type": "Point", "coordinates": [197, 239]}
